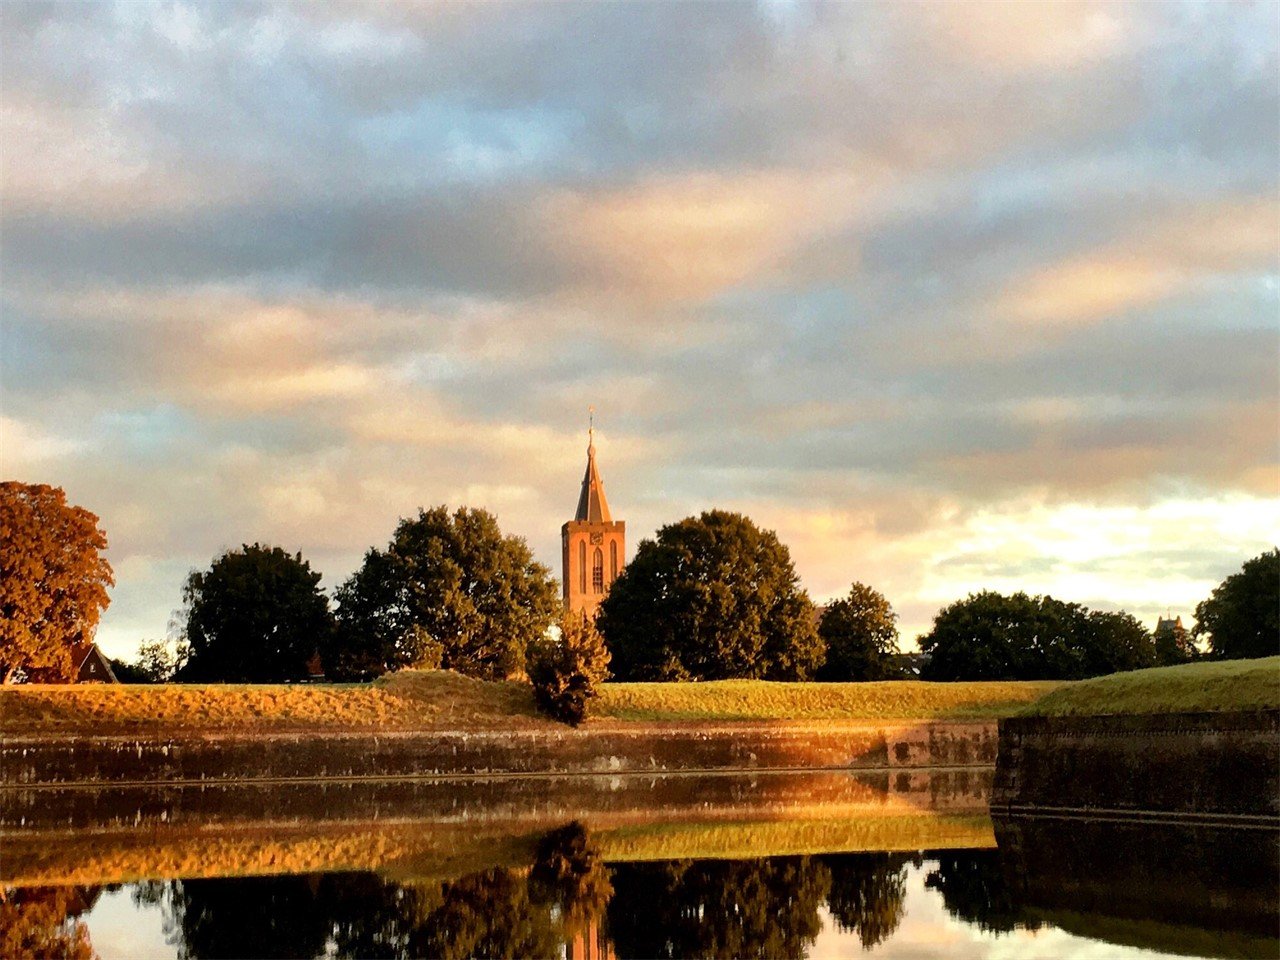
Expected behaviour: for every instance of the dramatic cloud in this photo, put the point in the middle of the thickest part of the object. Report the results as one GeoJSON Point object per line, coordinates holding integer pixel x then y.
{"type": "Point", "coordinates": [950, 295]}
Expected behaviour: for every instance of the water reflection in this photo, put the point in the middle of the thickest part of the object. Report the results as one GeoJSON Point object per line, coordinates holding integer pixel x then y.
{"type": "Point", "coordinates": [637, 883]}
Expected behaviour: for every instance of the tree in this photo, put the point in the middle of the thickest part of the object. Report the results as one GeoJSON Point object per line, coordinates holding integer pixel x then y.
{"type": "Point", "coordinates": [566, 671]}
{"type": "Point", "coordinates": [1241, 617]}
{"type": "Point", "coordinates": [255, 616]}
{"type": "Point", "coordinates": [988, 636]}
{"type": "Point", "coordinates": [449, 590]}
{"type": "Point", "coordinates": [709, 598]}
{"type": "Point", "coordinates": [53, 581]}
{"type": "Point", "coordinates": [860, 633]}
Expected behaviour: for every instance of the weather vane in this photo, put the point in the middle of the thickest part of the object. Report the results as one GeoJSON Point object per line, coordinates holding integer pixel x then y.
{"type": "Point", "coordinates": [591, 424]}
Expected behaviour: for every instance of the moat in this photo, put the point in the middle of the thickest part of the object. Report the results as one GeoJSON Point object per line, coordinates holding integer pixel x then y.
{"type": "Point", "coordinates": [822, 864]}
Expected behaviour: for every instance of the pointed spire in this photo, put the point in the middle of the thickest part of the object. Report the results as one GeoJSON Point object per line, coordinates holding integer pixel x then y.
{"type": "Point", "coordinates": [592, 505]}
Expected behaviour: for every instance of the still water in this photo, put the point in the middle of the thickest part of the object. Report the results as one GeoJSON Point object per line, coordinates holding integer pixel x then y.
{"type": "Point", "coordinates": [821, 865]}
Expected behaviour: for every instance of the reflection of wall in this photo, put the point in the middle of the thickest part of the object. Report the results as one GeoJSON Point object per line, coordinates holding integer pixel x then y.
{"type": "Point", "coordinates": [1158, 886]}
{"type": "Point", "coordinates": [1198, 763]}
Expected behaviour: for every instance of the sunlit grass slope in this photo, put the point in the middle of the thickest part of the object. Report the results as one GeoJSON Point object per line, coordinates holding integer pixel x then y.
{"type": "Point", "coordinates": [761, 700]}
{"type": "Point", "coordinates": [442, 699]}
{"type": "Point", "coordinates": [1192, 687]}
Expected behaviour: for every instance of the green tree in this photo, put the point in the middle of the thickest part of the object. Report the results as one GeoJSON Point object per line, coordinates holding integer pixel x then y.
{"type": "Point", "coordinates": [1241, 617]}
{"type": "Point", "coordinates": [53, 581]}
{"type": "Point", "coordinates": [988, 636]}
{"type": "Point", "coordinates": [255, 616]}
{"type": "Point", "coordinates": [709, 598]}
{"type": "Point", "coordinates": [566, 671]}
{"type": "Point", "coordinates": [449, 590]}
{"type": "Point", "coordinates": [860, 632]}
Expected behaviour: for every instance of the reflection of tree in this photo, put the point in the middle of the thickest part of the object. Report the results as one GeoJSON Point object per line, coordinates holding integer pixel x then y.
{"type": "Point", "coordinates": [717, 908]}
{"type": "Point", "coordinates": [974, 890]}
{"type": "Point", "coordinates": [569, 873]}
{"type": "Point", "coordinates": [247, 917]}
{"type": "Point", "coordinates": [500, 912]}
{"type": "Point", "coordinates": [42, 922]}
{"type": "Point", "coordinates": [866, 893]}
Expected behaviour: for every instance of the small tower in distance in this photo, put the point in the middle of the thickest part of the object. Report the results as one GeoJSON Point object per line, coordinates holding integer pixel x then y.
{"type": "Point", "coordinates": [593, 543]}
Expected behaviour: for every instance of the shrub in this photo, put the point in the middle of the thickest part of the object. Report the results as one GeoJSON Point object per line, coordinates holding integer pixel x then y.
{"type": "Point", "coordinates": [566, 671]}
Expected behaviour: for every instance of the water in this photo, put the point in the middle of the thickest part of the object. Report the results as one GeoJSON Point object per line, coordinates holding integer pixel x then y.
{"type": "Point", "coordinates": [815, 865]}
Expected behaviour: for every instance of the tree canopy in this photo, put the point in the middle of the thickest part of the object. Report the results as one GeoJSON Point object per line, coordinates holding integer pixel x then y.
{"type": "Point", "coordinates": [257, 615]}
{"type": "Point", "coordinates": [860, 632]}
{"type": "Point", "coordinates": [710, 597]}
{"type": "Point", "coordinates": [1241, 617]}
{"type": "Point", "coordinates": [449, 590]}
{"type": "Point", "coordinates": [989, 636]}
{"type": "Point", "coordinates": [53, 581]}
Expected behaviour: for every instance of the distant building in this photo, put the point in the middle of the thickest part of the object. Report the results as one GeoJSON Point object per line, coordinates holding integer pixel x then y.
{"type": "Point", "coordinates": [1172, 641]}
{"type": "Point", "coordinates": [90, 665]}
{"type": "Point", "coordinates": [593, 544]}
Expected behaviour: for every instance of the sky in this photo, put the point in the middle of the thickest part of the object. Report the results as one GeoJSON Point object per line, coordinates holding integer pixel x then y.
{"type": "Point", "coordinates": [952, 296]}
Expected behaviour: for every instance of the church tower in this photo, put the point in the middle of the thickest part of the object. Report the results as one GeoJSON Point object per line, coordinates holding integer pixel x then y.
{"type": "Point", "coordinates": [593, 543]}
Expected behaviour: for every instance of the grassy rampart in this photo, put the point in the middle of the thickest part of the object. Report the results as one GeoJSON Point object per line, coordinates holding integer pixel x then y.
{"type": "Point", "coordinates": [444, 700]}
{"type": "Point", "coordinates": [1229, 685]}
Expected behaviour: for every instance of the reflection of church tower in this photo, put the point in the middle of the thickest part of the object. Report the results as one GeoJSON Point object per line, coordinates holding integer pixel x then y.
{"type": "Point", "coordinates": [593, 543]}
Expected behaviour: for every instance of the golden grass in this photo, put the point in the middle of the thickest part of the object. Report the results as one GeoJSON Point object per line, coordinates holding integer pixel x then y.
{"type": "Point", "coordinates": [1190, 688]}
{"type": "Point", "coordinates": [439, 699]}
{"type": "Point", "coordinates": [762, 700]}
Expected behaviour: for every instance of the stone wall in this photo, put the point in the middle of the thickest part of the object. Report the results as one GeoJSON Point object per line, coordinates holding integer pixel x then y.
{"type": "Point", "coordinates": [1182, 765]}
{"type": "Point", "coordinates": [634, 748]}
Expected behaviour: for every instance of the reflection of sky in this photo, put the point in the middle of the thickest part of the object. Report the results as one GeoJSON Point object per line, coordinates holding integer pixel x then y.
{"type": "Point", "coordinates": [122, 931]}
{"type": "Point", "coordinates": [920, 287]}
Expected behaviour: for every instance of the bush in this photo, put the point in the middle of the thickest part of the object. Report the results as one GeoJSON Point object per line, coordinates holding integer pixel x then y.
{"type": "Point", "coordinates": [566, 671]}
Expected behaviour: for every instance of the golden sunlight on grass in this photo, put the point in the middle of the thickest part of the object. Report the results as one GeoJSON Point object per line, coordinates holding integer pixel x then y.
{"type": "Point", "coordinates": [762, 700]}
{"type": "Point", "coordinates": [1192, 687]}
{"type": "Point", "coordinates": [445, 700]}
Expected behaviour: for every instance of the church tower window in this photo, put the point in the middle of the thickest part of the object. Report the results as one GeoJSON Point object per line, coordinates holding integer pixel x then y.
{"type": "Point", "coordinates": [613, 560]}
{"type": "Point", "coordinates": [582, 566]}
{"type": "Point", "coordinates": [597, 571]}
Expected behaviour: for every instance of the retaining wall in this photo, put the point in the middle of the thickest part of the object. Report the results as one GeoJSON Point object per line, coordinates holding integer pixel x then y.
{"type": "Point", "coordinates": [37, 760]}
{"type": "Point", "coordinates": [1181, 764]}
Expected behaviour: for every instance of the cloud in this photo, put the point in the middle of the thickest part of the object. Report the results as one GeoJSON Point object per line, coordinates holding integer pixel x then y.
{"type": "Point", "coordinates": [871, 272]}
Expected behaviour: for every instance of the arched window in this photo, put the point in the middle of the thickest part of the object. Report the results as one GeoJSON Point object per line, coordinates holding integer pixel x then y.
{"type": "Point", "coordinates": [582, 566]}
{"type": "Point", "coordinates": [613, 560]}
{"type": "Point", "coordinates": [597, 571]}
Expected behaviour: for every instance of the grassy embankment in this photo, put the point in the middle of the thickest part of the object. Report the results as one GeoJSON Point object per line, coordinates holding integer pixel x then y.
{"type": "Point", "coordinates": [440, 699]}
{"type": "Point", "coordinates": [1190, 688]}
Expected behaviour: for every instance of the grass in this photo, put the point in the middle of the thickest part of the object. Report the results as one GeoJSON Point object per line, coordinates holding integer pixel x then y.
{"type": "Point", "coordinates": [723, 700]}
{"type": "Point", "coordinates": [1191, 688]}
{"type": "Point", "coordinates": [414, 699]}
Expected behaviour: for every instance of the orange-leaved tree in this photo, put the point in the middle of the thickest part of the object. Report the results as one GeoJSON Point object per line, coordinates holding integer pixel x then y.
{"type": "Point", "coordinates": [53, 580]}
